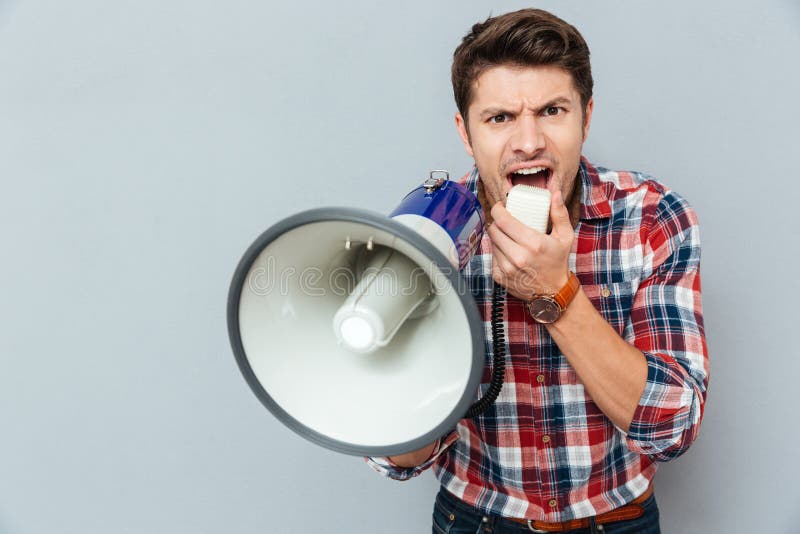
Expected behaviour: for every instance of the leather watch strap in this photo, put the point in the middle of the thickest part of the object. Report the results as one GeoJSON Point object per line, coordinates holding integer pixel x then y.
{"type": "Point", "coordinates": [568, 292]}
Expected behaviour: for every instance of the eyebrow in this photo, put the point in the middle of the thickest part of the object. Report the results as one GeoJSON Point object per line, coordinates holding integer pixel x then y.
{"type": "Point", "coordinates": [498, 110]}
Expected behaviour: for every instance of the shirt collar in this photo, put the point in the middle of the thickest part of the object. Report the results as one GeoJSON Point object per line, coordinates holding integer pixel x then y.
{"type": "Point", "coordinates": [594, 194]}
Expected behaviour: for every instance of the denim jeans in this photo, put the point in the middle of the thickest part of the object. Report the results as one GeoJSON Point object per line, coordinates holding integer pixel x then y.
{"type": "Point", "coordinates": [453, 516]}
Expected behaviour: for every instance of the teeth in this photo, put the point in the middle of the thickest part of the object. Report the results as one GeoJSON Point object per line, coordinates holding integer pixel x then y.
{"type": "Point", "coordinates": [531, 170]}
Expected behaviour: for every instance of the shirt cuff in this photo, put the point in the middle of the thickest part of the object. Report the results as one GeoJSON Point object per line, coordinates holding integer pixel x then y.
{"type": "Point", "coordinates": [668, 416]}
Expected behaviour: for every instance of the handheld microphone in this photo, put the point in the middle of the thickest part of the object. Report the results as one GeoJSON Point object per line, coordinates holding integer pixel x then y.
{"type": "Point", "coordinates": [530, 205]}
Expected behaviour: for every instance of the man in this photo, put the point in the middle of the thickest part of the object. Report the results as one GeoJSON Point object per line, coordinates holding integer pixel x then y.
{"type": "Point", "coordinates": [614, 380]}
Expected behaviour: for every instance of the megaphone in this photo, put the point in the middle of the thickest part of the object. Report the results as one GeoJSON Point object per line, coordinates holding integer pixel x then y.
{"type": "Point", "coordinates": [356, 330]}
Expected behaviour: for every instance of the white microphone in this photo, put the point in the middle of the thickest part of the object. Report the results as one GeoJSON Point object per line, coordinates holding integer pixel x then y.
{"type": "Point", "coordinates": [530, 205]}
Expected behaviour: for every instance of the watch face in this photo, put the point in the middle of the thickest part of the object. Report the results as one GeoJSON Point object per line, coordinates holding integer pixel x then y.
{"type": "Point", "coordinates": [544, 310]}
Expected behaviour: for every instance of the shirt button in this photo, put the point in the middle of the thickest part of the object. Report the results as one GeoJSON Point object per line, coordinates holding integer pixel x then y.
{"type": "Point", "coordinates": [546, 439]}
{"type": "Point", "coordinates": [552, 503]}
{"type": "Point", "coordinates": [605, 292]}
{"type": "Point", "coordinates": [540, 378]}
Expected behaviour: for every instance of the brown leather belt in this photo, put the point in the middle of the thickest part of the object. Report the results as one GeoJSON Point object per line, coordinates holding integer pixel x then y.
{"type": "Point", "coordinates": [632, 510]}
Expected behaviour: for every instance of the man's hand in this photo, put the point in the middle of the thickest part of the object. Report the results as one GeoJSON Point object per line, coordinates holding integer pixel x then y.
{"type": "Point", "coordinates": [527, 262]}
{"type": "Point", "coordinates": [415, 458]}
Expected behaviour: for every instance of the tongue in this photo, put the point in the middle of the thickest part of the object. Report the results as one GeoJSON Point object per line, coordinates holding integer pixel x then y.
{"type": "Point", "coordinates": [538, 179]}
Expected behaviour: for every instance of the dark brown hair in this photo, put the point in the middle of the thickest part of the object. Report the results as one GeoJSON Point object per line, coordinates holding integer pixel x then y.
{"type": "Point", "coordinates": [528, 37]}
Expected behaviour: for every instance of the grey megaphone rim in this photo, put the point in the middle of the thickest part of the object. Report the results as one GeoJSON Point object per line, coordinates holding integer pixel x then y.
{"type": "Point", "coordinates": [438, 259]}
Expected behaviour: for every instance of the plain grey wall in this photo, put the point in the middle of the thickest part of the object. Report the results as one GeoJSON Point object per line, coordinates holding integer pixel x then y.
{"type": "Point", "coordinates": [144, 144]}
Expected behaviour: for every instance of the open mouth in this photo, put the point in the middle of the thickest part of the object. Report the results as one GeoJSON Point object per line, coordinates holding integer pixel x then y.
{"type": "Point", "coordinates": [533, 176]}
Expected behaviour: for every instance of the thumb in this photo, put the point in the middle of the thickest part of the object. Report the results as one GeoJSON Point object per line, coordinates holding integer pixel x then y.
{"type": "Point", "coordinates": [559, 215]}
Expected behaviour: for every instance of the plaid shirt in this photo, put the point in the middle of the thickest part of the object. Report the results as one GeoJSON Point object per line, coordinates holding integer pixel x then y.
{"type": "Point", "coordinates": [637, 256]}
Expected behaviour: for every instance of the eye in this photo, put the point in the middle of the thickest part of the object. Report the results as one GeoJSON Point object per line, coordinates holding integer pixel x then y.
{"type": "Point", "coordinates": [498, 119]}
{"type": "Point", "coordinates": [551, 111]}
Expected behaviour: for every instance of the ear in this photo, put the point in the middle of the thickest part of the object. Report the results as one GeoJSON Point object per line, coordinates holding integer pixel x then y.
{"type": "Point", "coordinates": [461, 125]}
{"type": "Point", "coordinates": [587, 118]}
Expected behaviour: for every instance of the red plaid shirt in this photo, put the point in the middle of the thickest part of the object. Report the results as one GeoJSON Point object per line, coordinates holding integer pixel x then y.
{"type": "Point", "coordinates": [637, 256]}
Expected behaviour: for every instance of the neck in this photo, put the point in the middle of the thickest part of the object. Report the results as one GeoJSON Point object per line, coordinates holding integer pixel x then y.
{"type": "Point", "coordinates": [574, 202]}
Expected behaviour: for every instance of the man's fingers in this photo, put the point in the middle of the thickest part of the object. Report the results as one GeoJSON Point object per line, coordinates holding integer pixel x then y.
{"type": "Point", "coordinates": [512, 227]}
{"type": "Point", "coordinates": [501, 261]}
{"type": "Point", "coordinates": [517, 255]}
{"type": "Point", "coordinates": [519, 282]}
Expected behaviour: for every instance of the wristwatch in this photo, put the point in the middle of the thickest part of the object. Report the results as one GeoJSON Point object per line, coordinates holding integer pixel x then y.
{"type": "Point", "coordinates": [547, 309]}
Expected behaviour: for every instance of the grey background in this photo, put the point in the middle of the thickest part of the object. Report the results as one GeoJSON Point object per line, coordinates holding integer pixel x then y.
{"type": "Point", "coordinates": [145, 144]}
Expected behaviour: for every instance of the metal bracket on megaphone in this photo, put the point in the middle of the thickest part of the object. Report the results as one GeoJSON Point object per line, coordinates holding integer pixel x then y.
{"type": "Point", "coordinates": [432, 183]}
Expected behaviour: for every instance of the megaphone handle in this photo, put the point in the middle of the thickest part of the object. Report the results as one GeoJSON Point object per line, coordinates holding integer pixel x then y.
{"type": "Point", "coordinates": [498, 355]}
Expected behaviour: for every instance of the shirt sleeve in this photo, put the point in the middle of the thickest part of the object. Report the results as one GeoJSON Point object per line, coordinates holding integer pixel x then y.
{"type": "Point", "coordinates": [389, 469]}
{"type": "Point", "coordinates": [667, 326]}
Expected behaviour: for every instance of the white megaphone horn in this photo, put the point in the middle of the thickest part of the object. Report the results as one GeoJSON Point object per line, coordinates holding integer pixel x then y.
{"type": "Point", "coordinates": [356, 330]}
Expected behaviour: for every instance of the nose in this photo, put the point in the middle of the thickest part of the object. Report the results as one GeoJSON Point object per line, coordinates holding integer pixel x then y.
{"type": "Point", "coordinates": [528, 137]}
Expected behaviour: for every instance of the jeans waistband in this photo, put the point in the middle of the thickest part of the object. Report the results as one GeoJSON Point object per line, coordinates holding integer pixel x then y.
{"type": "Point", "coordinates": [455, 504]}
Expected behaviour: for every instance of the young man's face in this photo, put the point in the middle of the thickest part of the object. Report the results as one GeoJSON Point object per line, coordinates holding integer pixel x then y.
{"type": "Point", "coordinates": [522, 120]}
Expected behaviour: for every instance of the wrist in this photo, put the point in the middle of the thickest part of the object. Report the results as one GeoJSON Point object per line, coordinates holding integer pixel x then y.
{"type": "Point", "coordinates": [566, 320]}
{"type": "Point", "coordinates": [550, 285]}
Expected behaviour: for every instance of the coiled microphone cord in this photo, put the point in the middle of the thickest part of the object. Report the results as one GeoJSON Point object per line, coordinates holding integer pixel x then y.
{"type": "Point", "coordinates": [498, 355]}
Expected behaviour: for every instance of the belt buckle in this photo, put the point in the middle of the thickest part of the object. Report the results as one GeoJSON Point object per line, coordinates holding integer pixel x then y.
{"type": "Point", "coordinates": [530, 527]}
